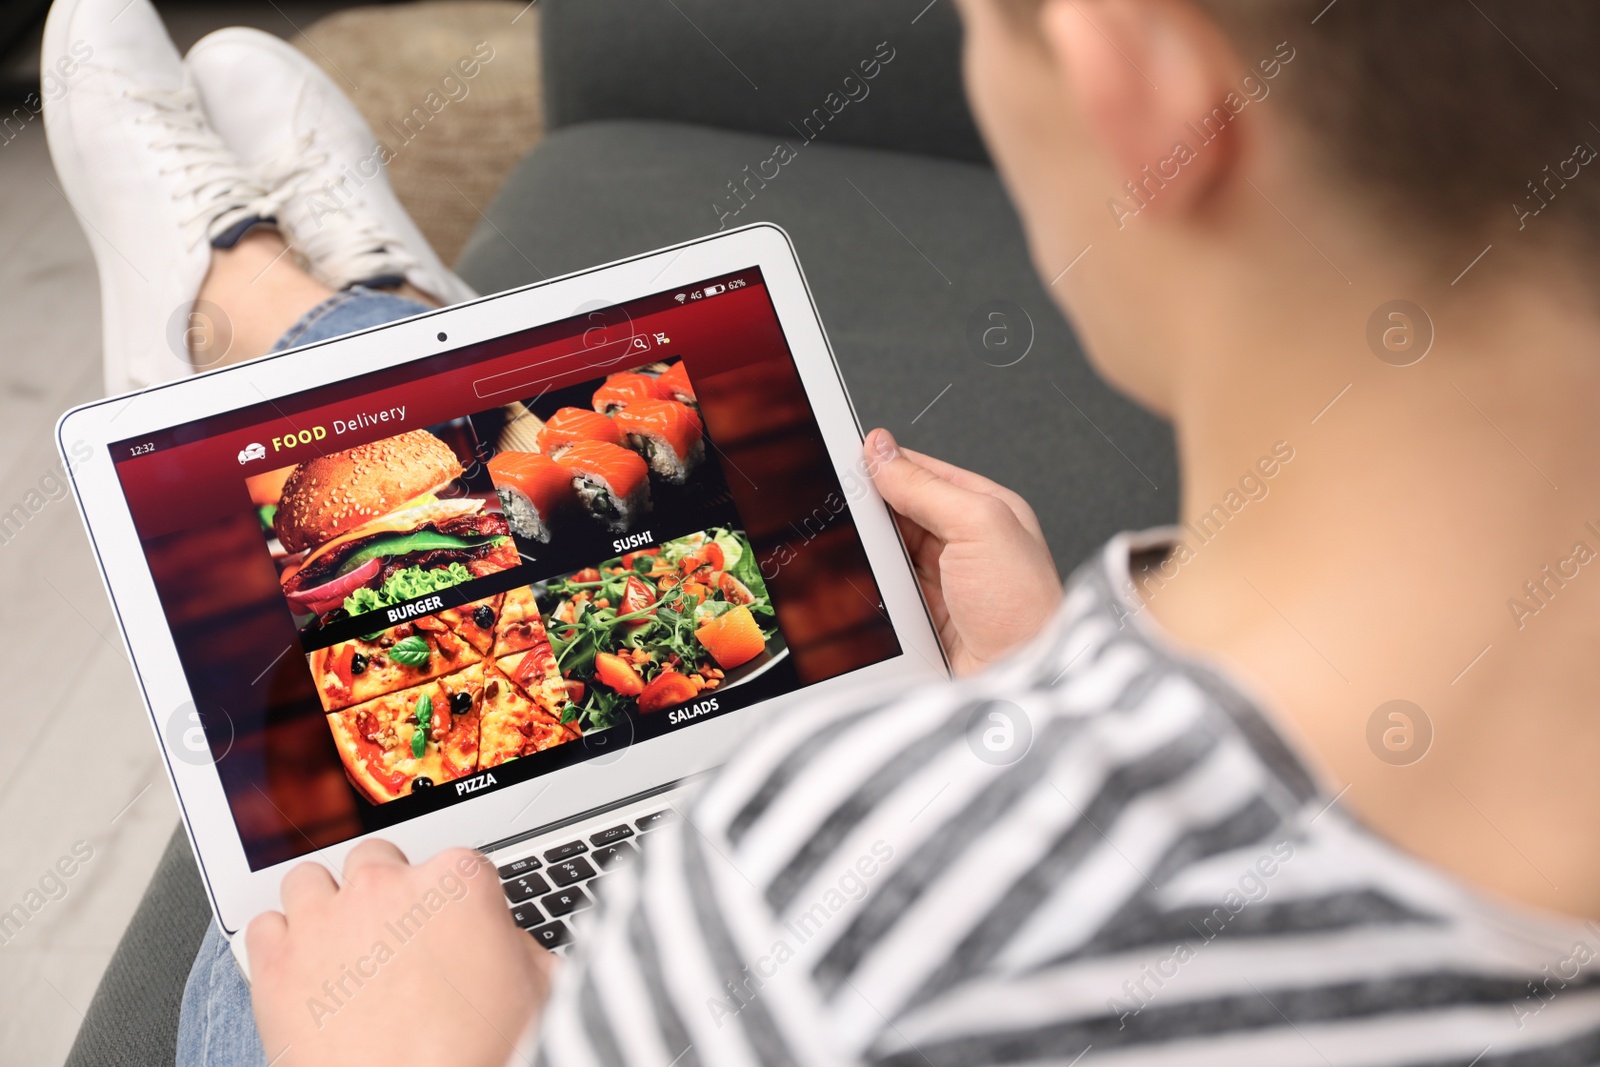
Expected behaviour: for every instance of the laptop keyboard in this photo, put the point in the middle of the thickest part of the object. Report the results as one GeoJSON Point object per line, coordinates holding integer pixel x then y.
{"type": "Point", "coordinates": [546, 889]}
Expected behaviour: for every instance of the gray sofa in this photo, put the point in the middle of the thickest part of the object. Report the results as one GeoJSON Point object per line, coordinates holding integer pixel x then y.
{"type": "Point", "coordinates": [909, 244]}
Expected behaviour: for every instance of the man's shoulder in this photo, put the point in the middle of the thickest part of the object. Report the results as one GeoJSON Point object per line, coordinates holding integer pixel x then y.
{"type": "Point", "coordinates": [1092, 695]}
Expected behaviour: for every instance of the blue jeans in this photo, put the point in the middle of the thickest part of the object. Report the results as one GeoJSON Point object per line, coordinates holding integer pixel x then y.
{"type": "Point", "coordinates": [346, 312]}
{"type": "Point", "coordinates": [216, 1027]}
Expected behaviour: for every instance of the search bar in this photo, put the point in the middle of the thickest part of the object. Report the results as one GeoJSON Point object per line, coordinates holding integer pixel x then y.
{"type": "Point", "coordinates": [529, 375]}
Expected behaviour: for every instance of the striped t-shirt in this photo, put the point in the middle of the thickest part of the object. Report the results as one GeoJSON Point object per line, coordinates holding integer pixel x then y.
{"type": "Point", "coordinates": [1098, 852]}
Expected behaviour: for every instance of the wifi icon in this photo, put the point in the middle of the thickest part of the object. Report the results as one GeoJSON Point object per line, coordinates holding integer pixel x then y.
{"type": "Point", "coordinates": [681, 297]}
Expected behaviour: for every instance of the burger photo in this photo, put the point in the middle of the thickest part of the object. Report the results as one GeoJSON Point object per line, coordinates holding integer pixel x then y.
{"type": "Point", "coordinates": [370, 530]}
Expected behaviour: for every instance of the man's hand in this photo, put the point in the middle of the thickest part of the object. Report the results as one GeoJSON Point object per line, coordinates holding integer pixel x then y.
{"type": "Point", "coordinates": [978, 551]}
{"type": "Point", "coordinates": [399, 965]}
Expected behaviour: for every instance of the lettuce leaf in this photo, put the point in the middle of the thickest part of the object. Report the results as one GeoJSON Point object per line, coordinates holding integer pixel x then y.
{"type": "Point", "coordinates": [406, 585]}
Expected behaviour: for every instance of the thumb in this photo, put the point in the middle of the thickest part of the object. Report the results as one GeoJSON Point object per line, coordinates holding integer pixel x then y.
{"type": "Point", "coordinates": [920, 494]}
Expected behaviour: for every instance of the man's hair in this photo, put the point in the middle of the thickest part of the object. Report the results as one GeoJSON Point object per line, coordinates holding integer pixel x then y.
{"type": "Point", "coordinates": [1447, 113]}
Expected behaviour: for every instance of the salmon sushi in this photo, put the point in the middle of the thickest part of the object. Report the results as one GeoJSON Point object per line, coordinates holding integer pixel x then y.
{"type": "Point", "coordinates": [532, 489]}
{"type": "Point", "coordinates": [675, 379]}
{"type": "Point", "coordinates": [571, 425]}
{"type": "Point", "coordinates": [622, 389]}
{"type": "Point", "coordinates": [667, 434]}
{"type": "Point", "coordinates": [612, 483]}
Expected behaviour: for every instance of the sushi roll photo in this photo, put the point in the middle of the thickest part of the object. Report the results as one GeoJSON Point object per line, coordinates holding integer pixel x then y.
{"type": "Point", "coordinates": [675, 381]}
{"type": "Point", "coordinates": [568, 426]}
{"type": "Point", "coordinates": [667, 434]}
{"type": "Point", "coordinates": [532, 488]}
{"type": "Point", "coordinates": [624, 388]}
{"type": "Point", "coordinates": [612, 483]}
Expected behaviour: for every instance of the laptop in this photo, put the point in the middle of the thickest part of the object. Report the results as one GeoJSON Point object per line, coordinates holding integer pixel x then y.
{"type": "Point", "coordinates": [513, 574]}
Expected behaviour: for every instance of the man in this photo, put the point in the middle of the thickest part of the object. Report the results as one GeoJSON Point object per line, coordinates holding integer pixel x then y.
{"type": "Point", "coordinates": [1307, 779]}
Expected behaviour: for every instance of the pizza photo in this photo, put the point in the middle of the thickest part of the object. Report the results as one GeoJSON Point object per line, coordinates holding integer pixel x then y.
{"type": "Point", "coordinates": [444, 696]}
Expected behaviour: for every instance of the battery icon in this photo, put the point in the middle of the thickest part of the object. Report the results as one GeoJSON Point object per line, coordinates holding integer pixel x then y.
{"type": "Point", "coordinates": [713, 290]}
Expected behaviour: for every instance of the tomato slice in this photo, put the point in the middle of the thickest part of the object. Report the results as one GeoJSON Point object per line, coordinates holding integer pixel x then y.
{"type": "Point", "coordinates": [666, 690]}
{"type": "Point", "coordinates": [339, 665]}
{"type": "Point", "coordinates": [636, 596]}
{"type": "Point", "coordinates": [734, 591]}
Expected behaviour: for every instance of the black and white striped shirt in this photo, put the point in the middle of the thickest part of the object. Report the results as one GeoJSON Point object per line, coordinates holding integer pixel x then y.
{"type": "Point", "coordinates": [1146, 874]}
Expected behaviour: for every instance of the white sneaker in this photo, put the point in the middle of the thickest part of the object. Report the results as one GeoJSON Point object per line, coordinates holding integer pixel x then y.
{"type": "Point", "coordinates": [151, 182]}
{"type": "Point", "coordinates": [288, 121]}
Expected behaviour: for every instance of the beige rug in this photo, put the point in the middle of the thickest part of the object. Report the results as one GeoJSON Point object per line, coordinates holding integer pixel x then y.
{"type": "Point", "coordinates": [450, 88]}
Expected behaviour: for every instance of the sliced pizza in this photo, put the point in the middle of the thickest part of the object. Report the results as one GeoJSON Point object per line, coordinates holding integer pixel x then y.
{"type": "Point", "coordinates": [520, 627]}
{"type": "Point", "coordinates": [516, 722]}
{"type": "Point", "coordinates": [409, 740]}
{"type": "Point", "coordinates": [535, 671]}
{"type": "Point", "coordinates": [475, 623]}
{"type": "Point", "coordinates": [463, 694]}
{"type": "Point", "coordinates": [363, 668]}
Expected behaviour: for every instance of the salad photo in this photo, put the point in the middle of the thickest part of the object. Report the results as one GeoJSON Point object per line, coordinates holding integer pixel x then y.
{"type": "Point", "coordinates": [660, 627]}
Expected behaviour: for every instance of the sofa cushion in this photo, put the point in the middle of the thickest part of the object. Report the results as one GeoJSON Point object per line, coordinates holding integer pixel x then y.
{"type": "Point", "coordinates": [907, 256]}
{"type": "Point", "coordinates": [764, 68]}
{"type": "Point", "coordinates": [133, 1018]}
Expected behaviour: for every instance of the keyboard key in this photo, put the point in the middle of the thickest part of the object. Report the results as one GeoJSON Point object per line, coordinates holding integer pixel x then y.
{"type": "Point", "coordinates": [573, 870]}
{"type": "Point", "coordinates": [655, 819]}
{"type": "Point", "coordinates": [529, 885]}
{"type": "Point", "coordinates": [566, 902]}
{"type": "Point", "coordinates": [561, 852]}
{"type": "Point", "coordinates": [527, 914]}
{"type": "Point", "coordinates": [552, 935]}
{"type": "Point", "coordinates": [518, 867]}
{"type": "Point", "coordinates": [611, 855]}
{"type": "Point", "coordinates": [611, 835]}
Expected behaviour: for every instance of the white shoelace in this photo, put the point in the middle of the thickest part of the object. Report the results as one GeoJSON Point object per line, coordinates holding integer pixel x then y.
{"type": "Point", "coordinates": [222, 193]}
{"type": "Point", "coordinates": [342, 246]}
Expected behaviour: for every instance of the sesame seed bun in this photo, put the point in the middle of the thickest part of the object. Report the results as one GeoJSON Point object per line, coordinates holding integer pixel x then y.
{"type": "Point", "coordinates": [337, 493]}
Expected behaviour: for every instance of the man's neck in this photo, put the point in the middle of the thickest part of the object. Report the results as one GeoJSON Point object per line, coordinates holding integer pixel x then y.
{"type": "Point", "coordinates": [1428, 533]}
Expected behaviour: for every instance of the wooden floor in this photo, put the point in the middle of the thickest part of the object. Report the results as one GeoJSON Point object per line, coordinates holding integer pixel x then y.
{"type": "Point", "coordinates": [78, 761]}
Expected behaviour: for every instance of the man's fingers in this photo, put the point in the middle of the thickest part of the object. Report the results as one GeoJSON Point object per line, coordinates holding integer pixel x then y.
{"type": "Point", "coordinates": [306, 884]}
{"type": "Point", "coordinates": [544, 961]}
{"type": "Point", "coordinates": [977, 483]}
{"type": "Point", "coordinates": [951, 473]}
{"type": "Point", "coordinates": [915, 537]}
{"type": "Point", "coordinates": [263, 937]}
{"type": "Point", "coordinates": [939, 506]}
{"type": "Point", "coordinates": [374, 853]}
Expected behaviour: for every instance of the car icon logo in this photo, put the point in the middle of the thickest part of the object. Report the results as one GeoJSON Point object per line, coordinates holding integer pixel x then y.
{"type": "Point", "coordinates": [254, 450]}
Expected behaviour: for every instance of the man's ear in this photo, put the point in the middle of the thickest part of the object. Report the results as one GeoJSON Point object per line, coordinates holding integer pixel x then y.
{"type": "Point", "coordinates": [1145, 75]}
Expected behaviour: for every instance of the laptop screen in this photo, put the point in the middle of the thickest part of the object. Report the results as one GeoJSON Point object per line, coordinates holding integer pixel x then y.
{"type": "Point", "coordinates": [402, 590]}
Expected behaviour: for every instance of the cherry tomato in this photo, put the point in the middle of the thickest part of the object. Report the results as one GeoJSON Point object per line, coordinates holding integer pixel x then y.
{"type": "Point", "coordinates": [734, 591]}
{"type": "Point", "coordinates": [636, 596]}
{"type": "Point", "coordinates": [666, 690]}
